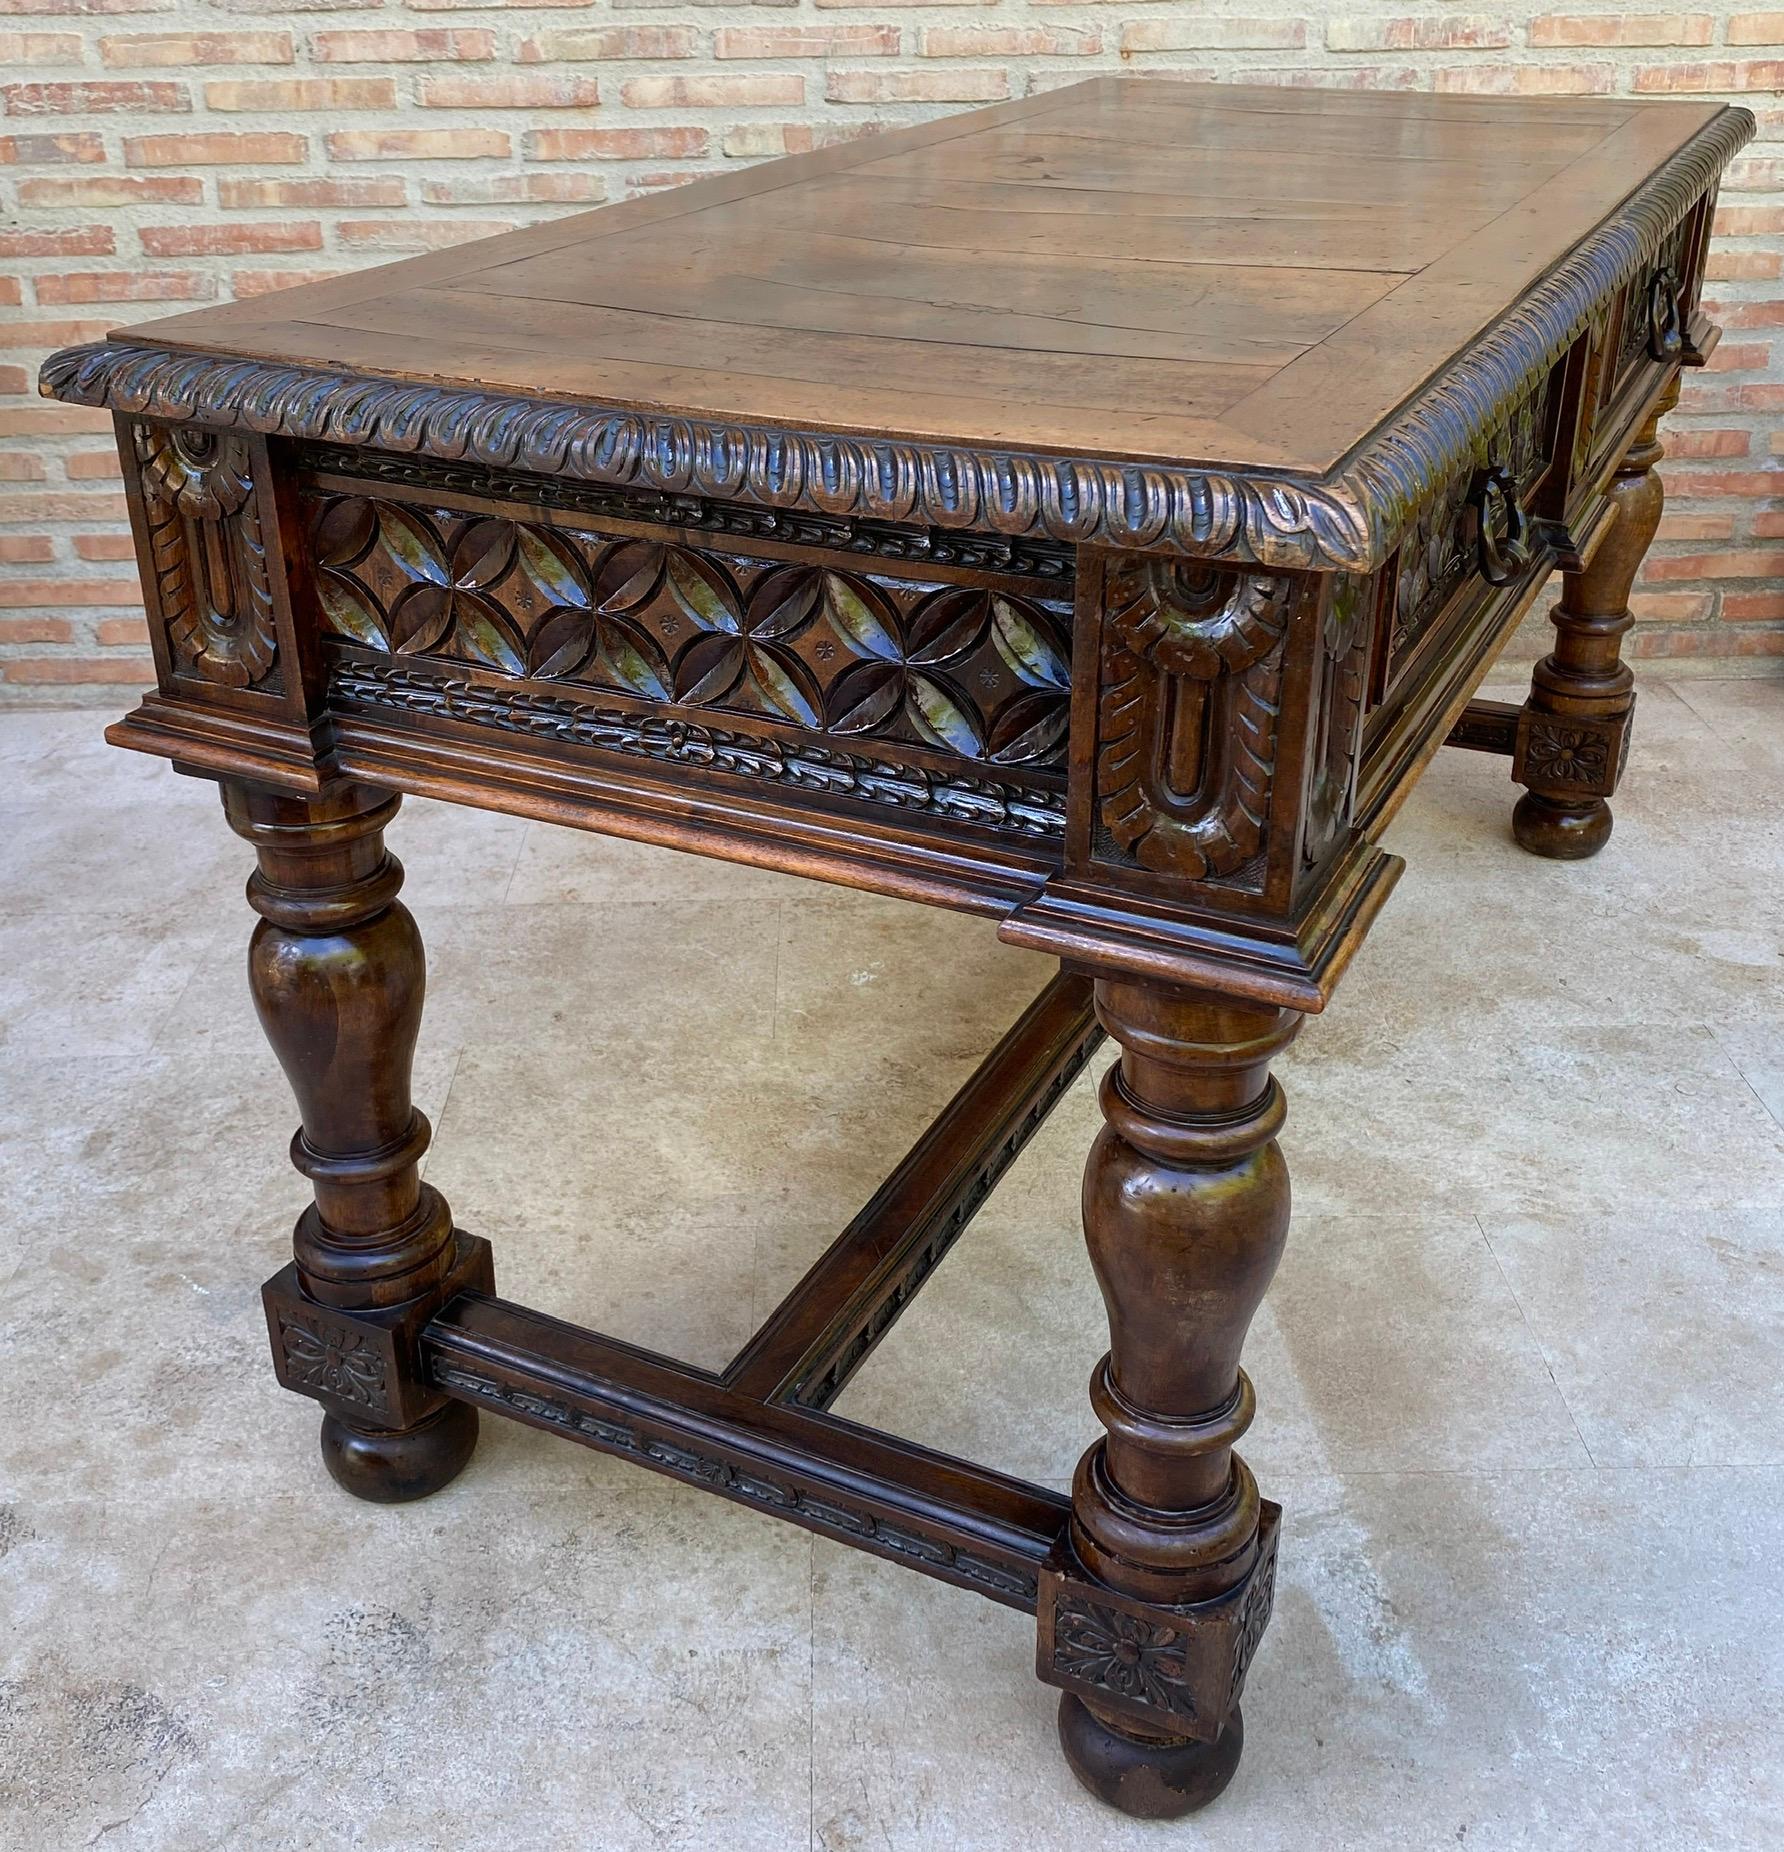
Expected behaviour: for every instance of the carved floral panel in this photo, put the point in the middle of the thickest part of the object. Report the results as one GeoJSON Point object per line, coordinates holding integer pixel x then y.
{"type": "Point", "coordinates": [977, 674]}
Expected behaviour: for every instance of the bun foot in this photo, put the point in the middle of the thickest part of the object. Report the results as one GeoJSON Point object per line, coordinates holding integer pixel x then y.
{"type": "Point", "coordinates": [1151, 1780]}
{"type": "Point", "coordinates": [390, 1467]}
{"type": "Point", "coordinates": [1562, 832]}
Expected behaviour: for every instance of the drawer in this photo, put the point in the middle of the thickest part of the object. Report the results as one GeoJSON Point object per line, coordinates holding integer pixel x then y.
{"type": "Point", "coordinates": [1482, 530]}
{"type": "Point", "coordinates": [1653, 330]}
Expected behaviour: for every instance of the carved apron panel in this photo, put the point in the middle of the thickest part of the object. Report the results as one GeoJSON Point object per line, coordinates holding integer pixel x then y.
{"type": "Point", "coordinates": [1189, 697]}
{"type": "Point", "coordinates": [977, 674]}
{"type": "Point", "coordinates": [212, 590]}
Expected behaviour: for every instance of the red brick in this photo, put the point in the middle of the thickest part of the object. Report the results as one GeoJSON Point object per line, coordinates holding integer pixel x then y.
{"type": "Point", "coordinates": [14, 380]}
{"type": "Point", "coordinates": [1677, 524]}
{"type": "Point", "coordinates": [805, 41]}
{"type": "Point", "coordinates": [1768, 524]}
{"type": "Point", "coordinates": [20, 466]}
{"type": "Point", "coordinates": [26, 549]}
{"type": "Point", "coordinates": [508, 93]}
{"type": "Point", "coordinates": [93, 466]}
{"type": "Point", "coordinates": [125, 286]}
{"type": "Point", "coordinates": [85, 241]}
{"type": "Point", "coordinates": [51, 150]}
{"type": "Point", "coordinates": [34, 629]}
{"type": "Point", "coordinates": [192, 50]}
{"type": "Point", "coordinates": [1747, 221]}
{"type": "Point", "coordinates": [1752, 607]}
{"type": "Point", "coordinates": [87, 6]}
{"type": "Point", "coordinates": [1742, 486]}
{"type": "Point", "coordinates": [264, 282]}
{"type": "Point", "coordinates": [121, 630]}
{"type": "Point", "coordinates": [23, 594]}
{"type": "Point", "coordinates": [112, 190]}
{"type": "Point", "coordinates": [52, 421]}
{"type": "Point", "coordinates": [21, 48]}
{"type": "Point", "coordinates": [1748, 315]}
{"type": "Point", "coordinates": [229, 240]}
{"type": "Point", "coordinates": [224, 149]}
{"type": "Point", "coordinates": [351, 190]}
{"type": "Point", "coordinates": [93, 99]}
{"type": "Point", "coordinates": [1726, 266]}
{"type": "Point", "coordinates": [1748, 173]}
{"type": "Point", "coordinates": [1744, 74]}
{"type": "Point", "coordinates": [48, 335]}
{"type": "Point", "coordinates": [514, 189]}
{"type": "Point", "coordinates": [1167, 34]}
{"type": "Point", "coordinates": [12, 291]}
{"type": "Point", "coordinates": [730, 90]}
{"type": "Point", "coordinates": [231, 94]}
{"type": "Point", "coordinates": [1735, 563]}
{"type": "Point", "coordinates": [951, 86]}
{"type": "Point", "coordinates": [1670, 607]}
{"type": "Point", "coordinates": [756, 141]}
{"type": "Point", "coordinates": [51, 671]}
{"type": "Point", "coordinates": [1007, 42]}
{"type": "Point", "coordinates": [1714, 641]}
{"type": "Point", "coordinates": [58, 505]}
{"type": "Point", "coordinates": [416, 144]}
{"type": "Point", "coordinates": [416, 234]}
{"type": "Point", "coordinates": [1460, 32]}
{"type": "Point", "coordinates": [1623, 29]}
{"type": "Point", "coordinates": [104, 546]}
{"type": "Point", "coordinates": [432, 45]}
{"type": "Point", "coordinates": [616, 144]}
{"type": "Point", "coordinates": [1525, 80]}
{"type": "Point", "coordinates": [636, 42]}
{"type": "Point", "coordinates": [1694, 444]}
{"type": "Point", "coordinates": [1755, 29]}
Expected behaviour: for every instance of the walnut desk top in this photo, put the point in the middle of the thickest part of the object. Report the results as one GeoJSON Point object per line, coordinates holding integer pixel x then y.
{"type": "Point", "coordinates": [1090, 512]}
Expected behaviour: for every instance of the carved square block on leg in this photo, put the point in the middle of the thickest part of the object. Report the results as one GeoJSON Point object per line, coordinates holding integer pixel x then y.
{"type": "Point", "coordinates": [365, 1366]}
{"type": "Point", "coordinates": [1176, 1670]}
{"type": "Point", "coordinates": [1568, 755]}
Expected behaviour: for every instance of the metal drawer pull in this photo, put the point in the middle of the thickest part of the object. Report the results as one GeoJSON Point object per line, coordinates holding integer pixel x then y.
{"type": "Point", "coordinates": [1666, 335]}
{"type": "Point", "coordinates": [1499, 532]}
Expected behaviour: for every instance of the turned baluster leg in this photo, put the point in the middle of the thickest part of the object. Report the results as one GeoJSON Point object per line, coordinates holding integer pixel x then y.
{"type": "Point", "coordinates": [337, 974]}
{"type": "Point", "coordinates": [1573, 735]}
{"type": "Point", "coordinates": [1150, 1618]}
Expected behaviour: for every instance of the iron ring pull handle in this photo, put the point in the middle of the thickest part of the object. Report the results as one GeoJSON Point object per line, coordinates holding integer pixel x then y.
{"type": "Point", "coordinates": [1666, 335]}
{"type": "Point", "coordinates": [1501, 535]}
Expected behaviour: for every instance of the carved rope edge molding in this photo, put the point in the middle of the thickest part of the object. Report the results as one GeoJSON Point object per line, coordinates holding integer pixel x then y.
{"type": "Point", "coordinates": [1348, 521]}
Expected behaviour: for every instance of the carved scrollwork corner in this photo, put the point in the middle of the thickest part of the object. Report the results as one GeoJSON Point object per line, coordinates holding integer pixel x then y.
{"type": "Point", "coordinates": [1189, 700]}
{"type": "Point", "coordinates": [213, 586]}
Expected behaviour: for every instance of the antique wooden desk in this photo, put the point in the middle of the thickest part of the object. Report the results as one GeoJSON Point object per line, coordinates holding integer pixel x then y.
{"type": "Point", "coordinates": [1089, 513]}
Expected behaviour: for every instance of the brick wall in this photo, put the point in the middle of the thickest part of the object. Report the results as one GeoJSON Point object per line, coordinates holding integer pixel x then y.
{"type": "Point", "coordinates": [157, 153]}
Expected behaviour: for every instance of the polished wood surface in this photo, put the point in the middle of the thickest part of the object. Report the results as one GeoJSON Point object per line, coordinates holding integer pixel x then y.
{"type": "Point", "coordinates": [1120, 268]}
{"type": "Point", "coordinates": [697, 521]}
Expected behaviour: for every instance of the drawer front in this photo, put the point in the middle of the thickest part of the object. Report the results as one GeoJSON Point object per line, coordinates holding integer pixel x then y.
{"type": "Point", "coordinates": [1649, 335]}
{"type": "Point", "coordinates": [939, 691]}
{"type": "Point", "coordinates": [1477, 534]}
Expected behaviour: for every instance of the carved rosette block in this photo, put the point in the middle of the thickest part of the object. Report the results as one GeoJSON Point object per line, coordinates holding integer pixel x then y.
{"type": "Point", "coordinates": [365, 1366]}
{"type": "Point", "coordinates": [1189, 696]}
{"type": "Point", "coordinates": [212, 587]}
{"type": "Point", "coordinates": [1178, 1669]}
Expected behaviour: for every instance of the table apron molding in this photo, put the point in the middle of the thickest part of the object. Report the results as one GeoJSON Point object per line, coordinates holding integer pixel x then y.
{"type": "Point", "coordinates": [1347, 521]}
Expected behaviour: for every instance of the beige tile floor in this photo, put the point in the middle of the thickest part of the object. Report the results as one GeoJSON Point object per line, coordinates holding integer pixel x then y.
{"type": "Point", "coordinates": [1520, 1375]}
